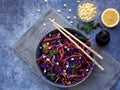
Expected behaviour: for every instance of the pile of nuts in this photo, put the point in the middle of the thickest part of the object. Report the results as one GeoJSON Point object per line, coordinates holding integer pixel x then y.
{"type": "Point", "coordinates": [87, 11]}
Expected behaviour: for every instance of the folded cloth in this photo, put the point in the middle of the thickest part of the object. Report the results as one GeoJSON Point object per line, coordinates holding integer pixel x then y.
{"type": "Point", "coordinates": [26, 48]}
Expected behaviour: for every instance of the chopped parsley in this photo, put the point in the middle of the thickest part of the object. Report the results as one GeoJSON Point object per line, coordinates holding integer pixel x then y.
{"type": "Point", "coordinates": [78, 26]}
{"type": "Point", "coordinates": [88, 27]}
{"type": "Point", "coordinates": [51, 75]}
{"type": "Point", "coordinates": [44, 46]}
{"type": "Point", "coordinates": [73, 67]}
{"type": "Point", "coordinates": [53, 52]}
{"type": "Point", "coordinates": [82, 37]}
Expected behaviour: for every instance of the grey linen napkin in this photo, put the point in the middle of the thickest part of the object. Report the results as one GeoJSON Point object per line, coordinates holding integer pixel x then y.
{"type": "Point", "coordinates": [98, 80]}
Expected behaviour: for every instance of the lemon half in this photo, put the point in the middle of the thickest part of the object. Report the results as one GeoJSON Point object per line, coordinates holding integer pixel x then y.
{"type": "Point", "coordinates": [110, 17]}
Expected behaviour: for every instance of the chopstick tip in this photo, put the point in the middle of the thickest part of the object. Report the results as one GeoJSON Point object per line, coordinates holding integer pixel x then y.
{"type": "Point", "coordinates": [102, 68]}
{"type": "Point", "coordinates": [50, 18]}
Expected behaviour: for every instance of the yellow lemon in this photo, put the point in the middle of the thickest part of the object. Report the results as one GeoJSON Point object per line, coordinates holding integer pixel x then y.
{"type": "Point", "coordinates": [110, 17]}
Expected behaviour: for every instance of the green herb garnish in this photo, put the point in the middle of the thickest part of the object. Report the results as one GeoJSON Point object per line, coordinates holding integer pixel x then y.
{"type": "Point", "coordinates": [52, 76]}
{"type": "Point", "coordinates": [88, 27]}
{"type": "Point", "coordinates": [81, 37]}
{"type": "Point", "coordinates": [44, 46]}
{"type": "Point", "coordinates": [53, 52]}
{"type": "Point", "coordinates": [74, 71]}
{"type": "Point", "coordinates": [78, 26]}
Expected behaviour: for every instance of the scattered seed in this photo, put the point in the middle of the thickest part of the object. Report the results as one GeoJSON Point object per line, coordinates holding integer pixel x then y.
{"type": "Point", "coordinates": [71, 22]}
{"type": "Point", "coordinates": [65, 47]}
{"type": "Point", "coordinates": [70, 10]}
{"type": "Point", "coordinates": [87, 70]}
{"type": "Point", "coordinates": [44, 56]}
{"type": "Point", "coordinates": [64, 71]}
{"type": "Point", "coordinates": [38, 10]}
{"type": "Point", "coordinates": [47, 59]}
{"type": "Point", "coordinates": [44, 24]}
{"type": "Point", "coordinates": [79, 57]}
{"type": "Point", "coordinates": [68, 49]}
{"type": "Point", "coordinates": [59, 11]}
{"type": "Point", "coordinates": [68, 17]}
{"type": "Point", "coordinates": [49, 35]}
{"type": "Point", "coordinates": [72, 59]}
{"type": "Point", "coordinates": [40, 47]}
{"type": "Point", "coordinates": [57, 63]}
{"type": "Point", "coordinates": [47, 43]}
{"type": "Point", "coordinates": [65, 5]}
{"type": "Point", "coordinates": [74, 17]}
{"type": "Point", "coordinates": [68, 82]}
{"type": "Point", "coordinates": [78, 1]}
{"type": "Point", "coordinates": [44, 70]}
{"type": "Point", "coordinates": [67, 66]}
{"type": "Point", "coordinates": [46, 1]}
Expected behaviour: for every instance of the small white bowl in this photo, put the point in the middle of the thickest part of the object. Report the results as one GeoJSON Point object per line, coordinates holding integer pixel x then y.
{"type": "Point", "coordinates": [85, 2]}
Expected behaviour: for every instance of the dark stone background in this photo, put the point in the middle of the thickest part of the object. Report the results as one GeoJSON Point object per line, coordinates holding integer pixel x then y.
{"type": "Point", "coordinates": [17, 16]}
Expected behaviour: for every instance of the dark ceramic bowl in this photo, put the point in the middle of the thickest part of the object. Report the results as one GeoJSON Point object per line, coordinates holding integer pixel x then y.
{"type": "Point", "coordinates": [58, 84]}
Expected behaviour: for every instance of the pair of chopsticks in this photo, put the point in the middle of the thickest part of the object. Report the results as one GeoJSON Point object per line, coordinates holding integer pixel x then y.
{"type": "Point", "coordinates": [66, 33]}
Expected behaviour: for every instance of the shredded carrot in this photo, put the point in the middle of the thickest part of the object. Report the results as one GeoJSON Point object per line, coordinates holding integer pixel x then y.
{"type": "Point", "coordinates": [64, 59]}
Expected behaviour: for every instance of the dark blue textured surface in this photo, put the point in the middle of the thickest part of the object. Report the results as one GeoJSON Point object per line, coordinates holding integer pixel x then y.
{"type": "Point", "coordinates": [16, 16]}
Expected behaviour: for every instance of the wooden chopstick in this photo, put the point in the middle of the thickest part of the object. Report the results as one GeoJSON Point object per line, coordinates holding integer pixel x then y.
{"type": "Point", "coordinates": [92, 59]}
{"type": "Point", "coordinates": [61, 30]}
{"type": "Point", "coordinates": [94, 52]}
